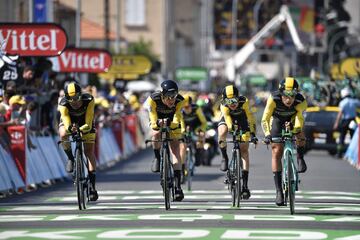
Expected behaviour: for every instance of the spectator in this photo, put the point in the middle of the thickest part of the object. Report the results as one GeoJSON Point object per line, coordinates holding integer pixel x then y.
{"type": "Point", "coordinates": [345, 117]}
{"type": "Point", "coordinates": [50, 114]}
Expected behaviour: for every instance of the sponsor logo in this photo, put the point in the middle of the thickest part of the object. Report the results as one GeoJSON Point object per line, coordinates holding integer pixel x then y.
{"type": "Point", "coordinates": [32, 39]}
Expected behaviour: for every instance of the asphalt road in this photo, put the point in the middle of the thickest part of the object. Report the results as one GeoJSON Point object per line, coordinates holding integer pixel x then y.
{"type": "Point", "coordinates": [131, 205]}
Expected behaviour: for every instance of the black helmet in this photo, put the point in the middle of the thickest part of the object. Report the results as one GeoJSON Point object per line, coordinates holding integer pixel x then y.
{"type": "Point", "coordinates": [72, 91]}
{"type": "Point", "coordinates": [230, 91]}
{"type": "Point", "coordinates": [289, 85]}
{"type": "Point", "coordinates": [169, 88]}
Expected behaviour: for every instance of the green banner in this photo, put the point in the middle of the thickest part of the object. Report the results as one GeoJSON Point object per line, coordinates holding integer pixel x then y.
{"type": "Point", "coordinates": [191, 74]}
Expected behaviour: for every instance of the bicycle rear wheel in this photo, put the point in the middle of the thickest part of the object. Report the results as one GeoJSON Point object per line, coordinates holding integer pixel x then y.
{"type": "Point", "coordinates": [238, 179]}
{"type": "Point", "coordinates": [291, 182]}
{"type": "Point", "coordinates": [189, 168]}
{"type": "Point", "coordinates": [166, 177]}
{"type": "Point", "coordinates": [79, 179]}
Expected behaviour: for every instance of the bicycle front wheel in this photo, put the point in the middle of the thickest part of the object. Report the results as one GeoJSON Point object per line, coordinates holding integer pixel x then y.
{"type": "Point", "coordinates": [291, 182]}
{"type": "Point", "coordinates": [166, 177]}
{"type": "Point", "coordinates": [238, 178]}
{"type": "Point", "coordinates": [79, 179]}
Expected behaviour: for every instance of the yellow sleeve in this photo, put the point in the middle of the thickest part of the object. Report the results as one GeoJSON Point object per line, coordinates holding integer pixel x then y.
{"type": "Point", "coordinates": [250, 117]}
{"type": "Point", "coordinates": [89, 116]}
{"type": "Point", "coordinates": [299, 118]}
{"type": "Point", "coordinates": [178, 118]}
{"type": "Point", "coordinates": [225, 111]}
{"type": "Point", "coordinates": [151, 106]}
{"type": "Point", "coordinates": [265, 120]}
{"type": "Point", "coordinates": [202, 119]}
{"type": "Point", "coordinates": [65, 117]}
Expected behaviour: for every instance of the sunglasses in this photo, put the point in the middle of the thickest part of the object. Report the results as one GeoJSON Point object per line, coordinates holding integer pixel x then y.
{"type": "Point", "coordinates": [289, 93]}
{"type": "Point", "coordinates": [230, 101]}
{"type": "Point", "coordinates": [75, 98]}
{"type": "Point", "coordinates": [170, 96]}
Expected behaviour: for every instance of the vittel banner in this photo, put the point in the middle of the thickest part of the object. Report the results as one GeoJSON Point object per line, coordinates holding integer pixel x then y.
{"type": "Point", "coordinates": [30, 39]}
{"type": "Point", "coordinates": [82, 60]}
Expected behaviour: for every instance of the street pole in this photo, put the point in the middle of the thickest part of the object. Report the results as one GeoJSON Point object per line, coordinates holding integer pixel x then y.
{"type": "Point", "coordinates": [31, 7]}
{"type": "Point", "coordinates": [117, 40]}
{"type": "Point", "coordinates": [234, 27]}
{"type": "Point", "coordinates": [78, 24]}
{"type": "Point", "coordinates": [107, 24]}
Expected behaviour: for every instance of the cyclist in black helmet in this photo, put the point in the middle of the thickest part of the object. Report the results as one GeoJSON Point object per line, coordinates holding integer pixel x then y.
{"type": "Point", "coordinates": [235, 107]}
{"type": "Point", "coordinates": [167, 104]}
{"type": "Point", "coordinates": [78, 108]}
{"type": "Point", "coordinates": [284, 105]}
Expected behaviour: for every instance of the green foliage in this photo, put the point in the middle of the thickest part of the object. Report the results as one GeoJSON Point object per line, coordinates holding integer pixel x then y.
{"type": "Point", "coordinates": [143, 47]}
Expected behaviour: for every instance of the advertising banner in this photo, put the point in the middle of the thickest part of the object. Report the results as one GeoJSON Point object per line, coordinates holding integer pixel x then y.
{"type": "Point", "coordinates": [82, 60]}
{"type": "Point", "coordinates": [32, 39]}
{"type": "Point", "coordinates": [17, 146]}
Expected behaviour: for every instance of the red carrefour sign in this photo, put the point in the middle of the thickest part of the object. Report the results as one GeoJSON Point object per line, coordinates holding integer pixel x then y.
{"type": "Point", "coordinates": [82, 60]}
{"type": "Point", "coordinates": [32, 39]}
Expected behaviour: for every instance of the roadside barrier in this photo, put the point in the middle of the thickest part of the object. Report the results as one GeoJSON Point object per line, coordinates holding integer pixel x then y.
{"type": "Point", "coordinates": [21, 166]}
{"type": "Point", "coordinates": [10, 178]}
{"type": "Point", "coordinates": [352, 153]}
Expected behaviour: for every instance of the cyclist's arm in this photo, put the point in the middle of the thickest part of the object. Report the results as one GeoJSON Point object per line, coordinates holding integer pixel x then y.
{"type": "Point", "coordinates": [89, 117]}
{"type": "Point", "coordinates": [268, 112]}
{"type": "Point", "coordinates": [299, 118]}
{"type": "Point", "coordinates": [177, 119]}
{"type": "Point", "coordinates": [201, 116]}
{"type": "Point", "coordinates": [153, 116]}
{"type": "Point", "coordinates": [225, 111]}
{"type": "Point", "coordinates": [249, 116]}
{"type": "Point", "coordinates": [65, 117]}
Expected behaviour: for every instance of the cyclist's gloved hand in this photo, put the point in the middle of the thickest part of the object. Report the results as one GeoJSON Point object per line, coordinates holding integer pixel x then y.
{"type": "Point", "coordinates": [253, 139]}
{"type": "Point", "coordinates": [267, 139]}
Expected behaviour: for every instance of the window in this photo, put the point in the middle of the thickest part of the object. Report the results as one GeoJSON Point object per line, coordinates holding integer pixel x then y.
{"type": "Point", "coordinates": [135, 13]}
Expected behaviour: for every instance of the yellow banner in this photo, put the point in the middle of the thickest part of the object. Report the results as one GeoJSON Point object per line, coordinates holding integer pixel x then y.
{"type": "Point", "coordinates": [134, 64]}
{"type": "Point", "coordinates": [112, 76]}
{"type": "Point", "coordinates": [350, 67]}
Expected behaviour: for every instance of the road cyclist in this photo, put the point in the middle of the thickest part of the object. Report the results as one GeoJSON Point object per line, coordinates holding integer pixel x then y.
{"type": "Point", "coordinates": [195, 125]}
{"type": "Point", "coordinates": [77, 109]}
{"type": "Point", "coordinates": [235, 107]}
{"type": "Point", "coordinates": [286, 104]}
{"type": "Point", "coordinates": [167, 104]}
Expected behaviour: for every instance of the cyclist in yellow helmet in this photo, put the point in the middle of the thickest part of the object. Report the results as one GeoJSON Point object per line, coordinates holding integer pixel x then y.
{"type": "Point", "coordinates": [195, 121]}
{"type": "Point", "coordinates": [235, 107]}
{"type": "Point", "coordinates": [285, 105]}
{"type": "Point", "coordinates": [77, 108]}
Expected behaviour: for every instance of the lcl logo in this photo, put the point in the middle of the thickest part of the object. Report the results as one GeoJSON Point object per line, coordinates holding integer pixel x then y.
{"type": "Point", "coordinates": [16, 135]}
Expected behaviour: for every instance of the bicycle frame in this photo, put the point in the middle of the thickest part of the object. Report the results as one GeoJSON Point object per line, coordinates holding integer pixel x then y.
{"type": "Point", "coordinates": [234, 172]}
{"type": "Point", "coordinates": [290, 178]}
{"type": "Point", "coordinates": [166, 171]}
{"type": "Point", "coordinates": [81, 172]}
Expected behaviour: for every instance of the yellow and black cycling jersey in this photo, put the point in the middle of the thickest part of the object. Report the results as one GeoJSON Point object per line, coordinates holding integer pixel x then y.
{"type": "Point", "coordinates": [275, 108]}
{"type": "Point", "coordinates": [158, 110]}
{"type": "Point", "coordinates": [241, 114]}
{"type": "Point", "coordinates": [83, 116]}
{"type": "Point", "coordinates": [195, 119]}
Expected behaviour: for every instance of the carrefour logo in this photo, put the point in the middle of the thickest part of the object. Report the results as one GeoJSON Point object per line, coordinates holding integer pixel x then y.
{"type": "Point", "coordinates": [16, 135]}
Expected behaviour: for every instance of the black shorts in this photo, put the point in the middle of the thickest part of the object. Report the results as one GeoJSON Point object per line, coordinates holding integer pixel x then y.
{"type": "Point", "coordinates": [244, 125]}
{"type": "Point", "coordinates": [277, 125]}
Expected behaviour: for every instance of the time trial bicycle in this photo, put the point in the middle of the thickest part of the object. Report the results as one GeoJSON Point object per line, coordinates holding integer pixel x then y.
{"type": "Point", "coordinates": [290, 178]}
{"type": "Point", "coordinates": [234, 173]}
{"type": "Point", "coordinates": [81, 170]}
{"type": "Point", "coordinates": [166, 168]}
